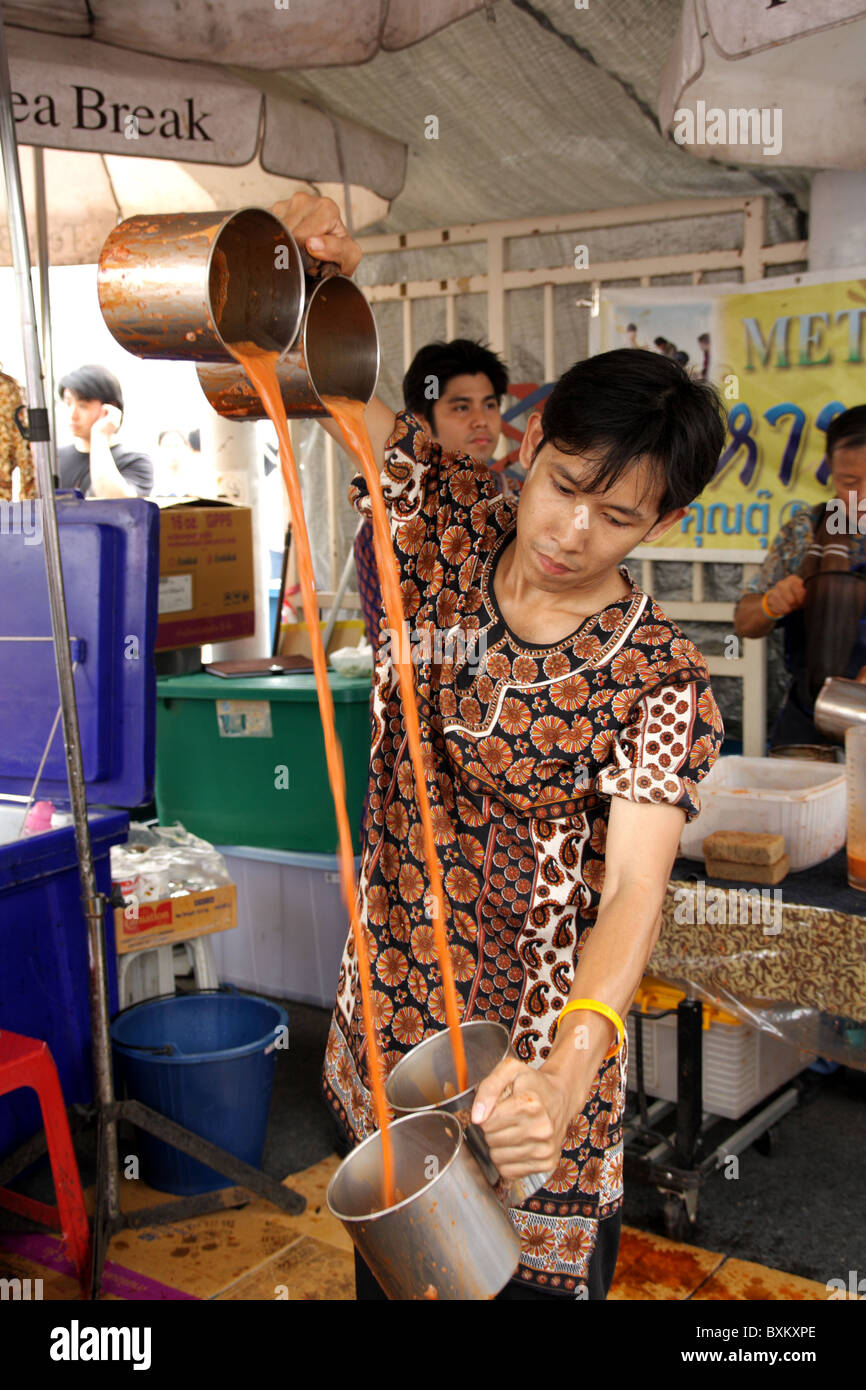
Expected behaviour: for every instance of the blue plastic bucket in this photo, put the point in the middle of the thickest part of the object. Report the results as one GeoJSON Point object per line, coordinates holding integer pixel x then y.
{"type": "Point", "coordinates": [207, 1062]}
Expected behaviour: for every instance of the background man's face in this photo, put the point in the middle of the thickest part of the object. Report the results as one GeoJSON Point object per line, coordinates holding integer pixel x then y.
{"type": "Point", "coordinates": [467, 418]}
{"type": "Point", "coordinates": [81, 414]}
{"type": "Point", "coordinates": [849, 472]}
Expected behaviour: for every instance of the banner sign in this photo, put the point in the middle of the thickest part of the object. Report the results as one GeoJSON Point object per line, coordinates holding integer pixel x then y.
{"type": "Point", "coordinates": [70, 94]}
{"type": "Point", "coordinates": [787, 356]}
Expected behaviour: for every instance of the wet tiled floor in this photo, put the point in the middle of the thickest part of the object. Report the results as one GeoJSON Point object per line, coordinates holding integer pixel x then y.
{"type": "Point", "coordinates": [256, 1252]}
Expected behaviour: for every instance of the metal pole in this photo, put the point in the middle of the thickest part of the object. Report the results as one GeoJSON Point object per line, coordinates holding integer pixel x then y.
{"type": "Point", "coordinates": [45, 296]}
{"type": "Point", "coordinates": [94, 903]}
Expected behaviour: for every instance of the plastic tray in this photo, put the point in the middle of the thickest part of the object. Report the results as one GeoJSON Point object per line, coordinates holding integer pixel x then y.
{"type": "Point", "coordinates": [804, 801]}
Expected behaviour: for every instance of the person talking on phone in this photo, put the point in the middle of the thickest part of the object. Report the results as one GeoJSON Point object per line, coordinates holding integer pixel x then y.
{"type": "Point", "coordinates": [95, 462]}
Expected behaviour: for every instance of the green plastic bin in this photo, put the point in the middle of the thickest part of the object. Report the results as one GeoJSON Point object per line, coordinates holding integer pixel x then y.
{"type": "Point", "coordinates": [243, 761]}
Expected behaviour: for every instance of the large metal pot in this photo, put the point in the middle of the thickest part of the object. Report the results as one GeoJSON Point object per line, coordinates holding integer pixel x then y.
{"type": "Point", "coordinates": [448, 1237]}
{"type": "Point", "coordinates": [426, 1079]}
{"type": "Point", "coordinates": [184, 285]}
{"type": "Point", "coordinates": [337, 354]}
{"type": "Point", "coordinates": [840, 704]}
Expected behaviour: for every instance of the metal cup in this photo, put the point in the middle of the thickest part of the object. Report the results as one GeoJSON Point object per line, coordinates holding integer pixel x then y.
{"type": "Point", "coordinates": [184, 285]}
{"type": "Point", "coordinates": [841, 704]}
{"type": "Point", "coordinates": [419, 1082]}
{"type": "Point", "coordinates": [337, 354]}
{"type": "Point", "coordinates": [448, 1237]}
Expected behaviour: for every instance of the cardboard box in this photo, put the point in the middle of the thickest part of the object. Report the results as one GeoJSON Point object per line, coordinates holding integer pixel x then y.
{"type": "Point", "coordinates": [295, 637]}
{"type": "Point", "coordinates": [145, 925]}
{"type": "Point", "coordinates": [206, 582]}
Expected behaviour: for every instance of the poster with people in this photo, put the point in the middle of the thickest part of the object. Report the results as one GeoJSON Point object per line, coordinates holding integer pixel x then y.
{"type": "Point", "coordinates": [787, 356]}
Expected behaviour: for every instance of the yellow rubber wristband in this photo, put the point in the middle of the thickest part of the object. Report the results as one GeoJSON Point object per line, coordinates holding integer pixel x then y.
{"type": "Point", "coordinates": [595, 1007]}
{"type": "Point", "coordinates": [768, 610]}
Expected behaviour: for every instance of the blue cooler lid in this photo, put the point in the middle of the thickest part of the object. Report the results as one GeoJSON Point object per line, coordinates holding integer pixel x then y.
{"type": "Point", "coordinates": [110, 556]}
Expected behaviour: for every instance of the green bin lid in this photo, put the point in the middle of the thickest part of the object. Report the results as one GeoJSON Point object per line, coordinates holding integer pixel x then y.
{"type": "Point", "coordinates": [298, 686]}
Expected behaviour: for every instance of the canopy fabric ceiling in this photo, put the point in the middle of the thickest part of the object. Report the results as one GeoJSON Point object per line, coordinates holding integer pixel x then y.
{"type": "Point", "coordinates": [541, 107]}
{"type": "Point", "coordinates": [546, 109]}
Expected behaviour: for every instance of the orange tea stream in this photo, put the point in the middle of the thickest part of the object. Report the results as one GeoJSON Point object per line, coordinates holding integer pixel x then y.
{"type": "Point", "coordinates": [349, 415]}
{"type": "Point", "coordinates": [260, 367]}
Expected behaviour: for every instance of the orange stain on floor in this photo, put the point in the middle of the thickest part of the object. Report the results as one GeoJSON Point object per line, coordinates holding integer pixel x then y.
{"type": "Point", "coordinates": [256, 1252]}
{"type": "Point", "coordinates": [738, 1279]}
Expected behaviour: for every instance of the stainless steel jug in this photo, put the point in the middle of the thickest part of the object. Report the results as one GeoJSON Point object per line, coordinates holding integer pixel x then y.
{"type": "Point", "coordinates": [447, 1237]}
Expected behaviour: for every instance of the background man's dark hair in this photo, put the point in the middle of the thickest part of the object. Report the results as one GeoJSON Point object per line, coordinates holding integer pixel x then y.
{"type": "Point", "coordinates": [629, 404]}
{"type": "Point", "coordinates": [92, 383]}
{"type": "Point", "coordinates": [460, 357]}
{"type": "Point", "coordinates": [848, 429]}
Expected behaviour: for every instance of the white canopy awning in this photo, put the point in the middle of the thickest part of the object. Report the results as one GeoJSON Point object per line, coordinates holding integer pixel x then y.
{"type": "Point", "coordinates": [265, 34]}
{"type": "Point", "coordinates": [797, 65]}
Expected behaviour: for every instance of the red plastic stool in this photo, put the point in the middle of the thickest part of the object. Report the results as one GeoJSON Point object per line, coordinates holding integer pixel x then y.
{"type": "Point", "coordinates": [28, 1062]}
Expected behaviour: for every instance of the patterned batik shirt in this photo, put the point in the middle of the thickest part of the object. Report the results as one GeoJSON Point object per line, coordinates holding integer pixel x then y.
{"type": "Point", "coordinates": [523, 749]}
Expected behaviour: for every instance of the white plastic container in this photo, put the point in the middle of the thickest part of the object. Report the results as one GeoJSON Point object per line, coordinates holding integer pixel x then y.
{"type": "Point", "coordinates": [741, 1065]}
{"type": "Point", "coordinates": [804, 801]}
{"type": "Point", "coordinates": [292, 925]}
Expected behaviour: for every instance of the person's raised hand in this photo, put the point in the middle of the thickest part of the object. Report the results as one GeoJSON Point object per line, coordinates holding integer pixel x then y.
{"type": "Point", "coordinates": [107, 422]}
{"type": "Point", "coordinates": [317, 225]}
{"type": "Point", "coordinates": [524, 1113]}
{"type": "Point", "coordinates": [786, 596]}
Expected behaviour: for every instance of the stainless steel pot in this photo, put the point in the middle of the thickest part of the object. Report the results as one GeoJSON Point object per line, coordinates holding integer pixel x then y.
{"type": "Point", "coordinates": [184, 285]}
{"type": "Point", "coordinates": [840, 704]}
{"type": "Point", "coordinates": [421, 1081]}
{"type": "Point", "coordinates": [337, 354]}
{"type": "Point", "coordinates": [448, 1237]}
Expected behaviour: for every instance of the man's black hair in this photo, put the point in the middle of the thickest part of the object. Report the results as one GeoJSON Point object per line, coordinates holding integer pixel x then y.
{"type": "Point", "coordinates": [848, 429]}
{"type": "Point", "coordinates": [442, 361]}
{"type": "Point", "coordinates": [194, 441]}
{"type": "Point", "coordinates": [631, 328]}
{"type": "Point", "coordinates": [92, 383]}
{"type": "Point", "coordinates": [623, 406]}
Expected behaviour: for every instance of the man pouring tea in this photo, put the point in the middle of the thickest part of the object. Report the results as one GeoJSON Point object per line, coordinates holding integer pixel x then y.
{"type": "Point", "coordinates": [560, 771]}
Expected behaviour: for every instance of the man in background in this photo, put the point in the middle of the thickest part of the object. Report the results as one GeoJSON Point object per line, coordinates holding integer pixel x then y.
{"type": "Point", "coordinates": [95, 463]}
{"type": "Point", "coordinates": [454, 389]}
{"type": "Point", "coordinates": [813, 583]}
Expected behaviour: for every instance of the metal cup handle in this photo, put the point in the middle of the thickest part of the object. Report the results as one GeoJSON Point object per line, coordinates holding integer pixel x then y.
{"type": "Point", "coordinates": [519, 1189]}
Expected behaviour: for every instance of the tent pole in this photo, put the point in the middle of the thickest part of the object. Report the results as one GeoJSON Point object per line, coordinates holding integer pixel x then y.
{"type": "Point", "coordinates": [45, 296]}
{"type": "Point", "coordinates": [93, 901]}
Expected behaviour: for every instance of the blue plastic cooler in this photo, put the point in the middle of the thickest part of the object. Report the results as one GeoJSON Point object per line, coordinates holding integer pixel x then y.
{"type": "Point", "coordinates": [110, 556]}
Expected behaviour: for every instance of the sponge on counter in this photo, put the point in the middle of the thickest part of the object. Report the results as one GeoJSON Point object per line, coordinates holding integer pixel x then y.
{"type": "Point", "coordinates": [748, 873]}
{"type": "Point", "coordinates": [745, 847]}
